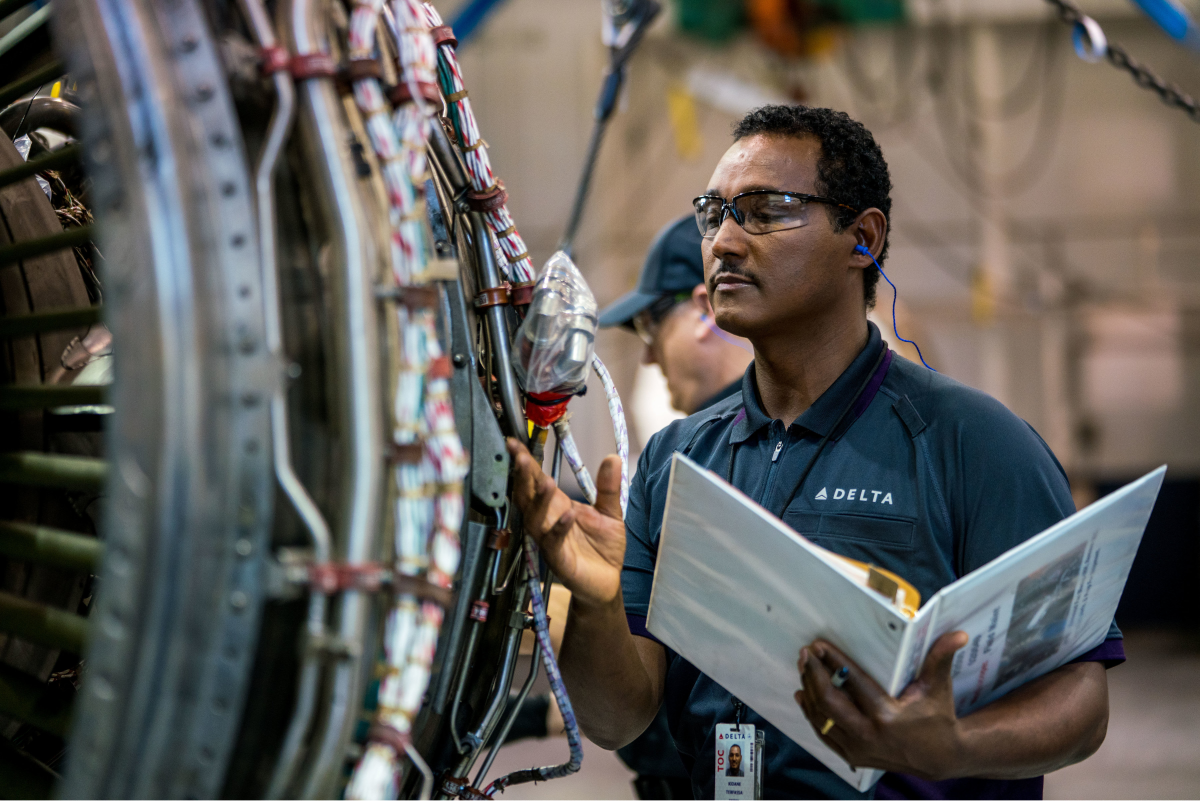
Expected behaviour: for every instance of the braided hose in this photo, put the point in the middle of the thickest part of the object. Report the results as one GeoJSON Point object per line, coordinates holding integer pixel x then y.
{"type": "Point", "coordinates": [479, 167]}
{"type": "Point", "coordinates": [620, 432]}
{"type": "Point", "coordinates": [429, 505]}
{"type": "Point", "coordinates": [570, 450]}
{"type": "Point", "coordinates": [554, 675]}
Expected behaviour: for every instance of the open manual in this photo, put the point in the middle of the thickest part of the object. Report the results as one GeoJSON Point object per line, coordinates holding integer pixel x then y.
{"type": "Point", "coordinates": [737, 593]}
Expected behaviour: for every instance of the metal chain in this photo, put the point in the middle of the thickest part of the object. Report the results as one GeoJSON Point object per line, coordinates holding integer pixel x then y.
{"type": "Point", "coordinates": [1170, 94]}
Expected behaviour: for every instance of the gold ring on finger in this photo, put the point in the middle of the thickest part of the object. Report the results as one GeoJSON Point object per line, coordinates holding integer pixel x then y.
{"type": "Point", "coordinates": [828, 725]}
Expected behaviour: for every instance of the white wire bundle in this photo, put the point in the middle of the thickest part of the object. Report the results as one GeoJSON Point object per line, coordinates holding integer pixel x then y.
{"type": "Point", "coordinates": [570, 450]}
{"type": "Point", "coordinates": [429, 506]}
{"type": "Point", "coordinates": [479, 167]}
{"type": "Point", "coordinates": [620, 431]}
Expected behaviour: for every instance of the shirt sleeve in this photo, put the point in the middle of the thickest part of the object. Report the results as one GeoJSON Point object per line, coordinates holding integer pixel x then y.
{"type": "Point", "coordinates": [1019, 491]}
{"type": "Point", "coordinates": [637, 576]}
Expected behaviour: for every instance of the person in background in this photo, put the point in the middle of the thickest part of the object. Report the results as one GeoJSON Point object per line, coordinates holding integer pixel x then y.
{"type": "Point", "coordinates": [669, 310]}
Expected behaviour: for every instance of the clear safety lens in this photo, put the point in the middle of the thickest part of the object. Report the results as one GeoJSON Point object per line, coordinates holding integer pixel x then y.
{"type": "Point", "coordinates": [756, 212]}
{"type": "Point", "coordinates": [762, 214]}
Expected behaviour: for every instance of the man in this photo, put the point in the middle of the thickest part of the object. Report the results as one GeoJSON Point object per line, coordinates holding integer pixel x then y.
{"type": "Point", "coordinates": [669, 310]}
{"type": "Point", "coordinates": [735, 761]}
{"type": "Point", "coordinates": [788, 204]}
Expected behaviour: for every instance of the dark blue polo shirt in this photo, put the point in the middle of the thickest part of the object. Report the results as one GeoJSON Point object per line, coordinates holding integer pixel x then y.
{"type": "Point", "coordinates": [925, 477]}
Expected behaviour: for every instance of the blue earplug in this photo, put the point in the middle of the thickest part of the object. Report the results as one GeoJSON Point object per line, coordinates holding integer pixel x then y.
{"type": "Point", "coordinates": [895, 294]}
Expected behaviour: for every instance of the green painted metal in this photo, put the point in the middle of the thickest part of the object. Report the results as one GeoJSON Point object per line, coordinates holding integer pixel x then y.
{"type": "Point", "coordinates": [35, 469]}
{"type": "Point", "coordinates": [26, 324]}
{"type": "Point", "coordinates": [26, 699]}
{"type": "Point", "coordinates": [59, 158]}
{"type": "Point", "coordinates": [47, 244]}
{"type": "Point", "coordinates": [39, 396]}
{"type": "Point", "coordinates": [50, 546]}
{"type": "Point", "coordinates": [33, 80]}
{"type": "Point", "coordinates": [41, 624]}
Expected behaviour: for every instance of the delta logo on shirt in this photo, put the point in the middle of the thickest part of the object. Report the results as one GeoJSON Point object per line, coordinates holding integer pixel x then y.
{"type": "Point", "coordinates": [855, 494]}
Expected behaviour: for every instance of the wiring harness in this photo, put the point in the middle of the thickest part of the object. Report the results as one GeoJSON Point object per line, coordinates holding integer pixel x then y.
{"type": "Point", "coordinates": [431, 464]}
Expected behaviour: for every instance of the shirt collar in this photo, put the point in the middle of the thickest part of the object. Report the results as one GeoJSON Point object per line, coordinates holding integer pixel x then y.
{"type": "Point", "coordinates": [819, 417]}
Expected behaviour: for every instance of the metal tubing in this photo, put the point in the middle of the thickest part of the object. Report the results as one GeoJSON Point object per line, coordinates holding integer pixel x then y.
{"type": "Point", "coordinates": [500, 690]}
{"type": "Point", "coordinates": [50, 546]}
{"type": "Point", "coordinates": [489, 276]}
{"type": "Point", "coordinates": [24, 698]}
{"type": "Point", "coordinates": [509, 719]}
{"type": "Point", "coordinates": [59, 158]}
{"type": "Point", "coordinates": [33, 248]}
{"type": "Point", "coordinates": [26, 324]}
{"type": "Point", "coordinates": [41, 624]}
{"type": "Point", "coordinates": [460, 685]}
{"type": "Point", "coordinates": [360, 396]}
{"type": "Point", "coordinates": [295, 491]}
{"type": "Point", "coordinates": [12, 91]}
{"type": "Point", "coordinates": [36, 469]}
{"type": "Point", "coordinates": [40, 396]}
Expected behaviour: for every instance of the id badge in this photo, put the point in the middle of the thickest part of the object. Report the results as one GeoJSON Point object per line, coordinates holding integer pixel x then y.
{"type": "Point", "coordinates": [738, 761]}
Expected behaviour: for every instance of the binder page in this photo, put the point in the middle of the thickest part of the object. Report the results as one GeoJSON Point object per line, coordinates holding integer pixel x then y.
{"type": "Point", "coordinates": [1047, 601]}
{"type": "Point", "coordinates": [737, 593]}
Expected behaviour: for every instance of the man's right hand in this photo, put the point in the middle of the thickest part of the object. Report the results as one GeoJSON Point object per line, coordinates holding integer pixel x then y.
{"type": "Point", "coordinates": [584, 545]}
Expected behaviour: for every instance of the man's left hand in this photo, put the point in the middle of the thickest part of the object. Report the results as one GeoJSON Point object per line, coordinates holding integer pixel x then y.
{"type": "Point", "coordinates": [917, 733]}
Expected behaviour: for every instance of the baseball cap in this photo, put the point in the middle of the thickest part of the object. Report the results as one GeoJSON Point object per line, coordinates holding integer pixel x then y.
{"type": "Point", "coordinates": [674, 264]}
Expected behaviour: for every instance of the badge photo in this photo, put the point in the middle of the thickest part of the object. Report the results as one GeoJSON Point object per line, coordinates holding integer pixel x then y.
{"type": "Point", "coordinates": [736, 761]}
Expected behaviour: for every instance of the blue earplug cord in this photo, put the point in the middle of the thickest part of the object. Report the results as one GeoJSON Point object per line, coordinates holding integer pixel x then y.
{"type": "Point", "coordinates": [895, 294]}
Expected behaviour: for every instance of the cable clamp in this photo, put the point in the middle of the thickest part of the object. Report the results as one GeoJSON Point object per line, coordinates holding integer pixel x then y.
{"type": "Point", "coordinates": [358, 69]}
{"type": "Point", "coordinates": [489, 200]}
{"type": "Point", "coordinates": [407, 453]}
{"type": "Point", "coordinates": [313, 65]}
{"type": "Point", "coordinates": [390, 736]}
{"type": "Point", "coordinates": [496, 296]}
{"type": "Point", "coordinates": [521, 294]}
{"type": "Point", "coordinates": [273, 59]}
{"type": "Point", "coordinates": [401, 93]}
{"type": "Point", "coordinates": [479, 611]}
{"type": "Point", "coordinates": [499, 538]}
{"type": "Point", "coordinates": [330, 578]}
{"type": "Point", "coordinates": [443, 35]}
{"type": "Point", "coordinates": [439, 368]}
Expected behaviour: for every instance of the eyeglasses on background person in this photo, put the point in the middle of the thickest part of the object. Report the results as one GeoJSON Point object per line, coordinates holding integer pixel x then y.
{"type": "Point", "coordinates": [649, 320]}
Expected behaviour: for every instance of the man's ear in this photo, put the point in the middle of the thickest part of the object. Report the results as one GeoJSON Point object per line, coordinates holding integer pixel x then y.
{"type": "Point", "coordinates": [700, 300]}
{"type": "Point", "coordinates": [870, 230]}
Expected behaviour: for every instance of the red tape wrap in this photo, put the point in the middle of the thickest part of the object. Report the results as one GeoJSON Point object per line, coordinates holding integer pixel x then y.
{"type": "Point", "coordinates": [544, 408]}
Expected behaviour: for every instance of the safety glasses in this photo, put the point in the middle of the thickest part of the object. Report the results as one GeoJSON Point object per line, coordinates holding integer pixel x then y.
{"type": "Point", "coordinates": [648, 321]}
{"type": "Point", "coordinates": [761, 211]}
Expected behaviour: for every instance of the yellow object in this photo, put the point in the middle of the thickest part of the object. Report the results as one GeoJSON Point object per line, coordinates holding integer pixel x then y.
{"type": "Point", "coordinates": [56, 89]}
{"type": "Point", "coordinates": [681, 109]}
{"type": "Point", "coordinates": [983, 297]}
{"type": "Point", "coordinates": [828, 725]}
{"type": "Point", "coordinates": [903, 595]}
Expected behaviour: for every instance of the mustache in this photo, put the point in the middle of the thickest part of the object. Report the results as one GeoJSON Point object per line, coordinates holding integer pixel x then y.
{"type": "Point", "coordinates": [730, 269]}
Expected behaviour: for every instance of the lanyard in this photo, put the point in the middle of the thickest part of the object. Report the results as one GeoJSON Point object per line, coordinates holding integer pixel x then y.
{"type": "Point", "coordinates": [825, 439]}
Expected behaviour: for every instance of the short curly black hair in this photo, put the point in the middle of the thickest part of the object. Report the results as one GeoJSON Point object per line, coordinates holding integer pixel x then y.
{"type": "Point", "coordinates": [851, 168]}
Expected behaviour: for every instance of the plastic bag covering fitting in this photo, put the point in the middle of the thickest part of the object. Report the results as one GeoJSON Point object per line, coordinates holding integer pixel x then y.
{"type": "Point", "coordinates": [555, 343]}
